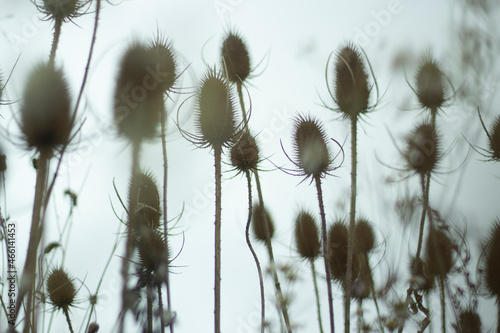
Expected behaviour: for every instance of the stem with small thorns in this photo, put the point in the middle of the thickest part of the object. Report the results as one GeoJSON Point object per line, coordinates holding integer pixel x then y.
{"type": "Point", "coordinates": [160, 308]}
{"type": "Point", "coordinates": [257, 263]}
{"type": "Point", "coordinates": [242, 104]}
{"type": "Point", "coordinates": [55, 40]}
{"type": "Point", "coordinates": [443, 304]}
{"type": "Point", "coordinates": [325, 250]}
{"type": "Point", "coordinates": [316, 293]}
{"type": "Point", "coordinates": [218, 208]}
{"type": "Point", "coordinates": [66, 314]}
{"type": "Point", "coordinates": [149, 300]}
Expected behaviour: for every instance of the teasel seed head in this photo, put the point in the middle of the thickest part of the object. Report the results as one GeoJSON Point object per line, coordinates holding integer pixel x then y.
{"type": "Point", "coordinates": [490, 266]}
{"type": "Point", "coordinates": [60, 288]}
{"type": "Point", "coordinates": [306, 236]}
{"type": "Point", "coordinates": [430, 85]}
{"type": "Point", "coordinates": [215, 110]}
{"type": "Point", "coordinates": [245, 152]}
{"type": "Point", "coordinates": [337, 250]}
{"type": "Point", "coordinates": [439, 253]}
{"type": "Point", "coordinates": [152, 251]}
{"type": "Point", "coordinates": [351, 82]}
{"type": "Point", "coordinates": [259, 217]}
{"type": "Point", "coordinates": [137, 96]}
{"type": "Point", "coordinates": [495, 140]}
{"type": "Point", "coordinates": [93, 328]}
{"type": "Point", "coordinates": [422, 152]}
{"type": "Point", "coordinates": [424, 281]}
{"type": "Point", "coordinates": [468, 322]}
{"type": "Point", "coordinates": [61, 10]}
{"type": "Point", "coordinates": [235, 58]}
{"type": "Point", "coordinates": [144, 191]}
{"type": "Point", "coordinates": [165, 63]}
{"type": "Point", "coordinates": [311, 151]}
{"type": "Point", "coordinates": [46, 109]}
{"type": "Point", "coordinates": [365, 237]}
{"type": "Point", "coordinates": [361, 285]}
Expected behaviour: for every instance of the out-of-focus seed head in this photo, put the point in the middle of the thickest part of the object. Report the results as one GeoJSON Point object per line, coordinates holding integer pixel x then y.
{"type": "Point", "coordinates": [311, 151]}
{"type": "Point", "coordinates": [423, 280]}
{"type": "Point", "coordinates": [365, 237]}
{"type": "Point", "coordinates": [430, 85]}
{"type": "Point", "coordinates": [46, 109]}
{"type": "Point", "coordinates": [245, 152]}
{"type": "Point", "coordinates": [468, 322]}
{"type": "Point", "coordinates": [361, 285]}
{"type": "Point", "coordinates": [235, 58]}
{"type": "Point", "coordinates": [260, 218]}
{"type": "Point", "coordinates": [93, 328]}
{"type": "Point", "coordinates": [215, 110]}
{"type": "Point", "coordinates": [337, 250]}
{"type": "Point", "coordinates": [62, 10]}
{"type": "Point", "coordinates": [439, 253]}
{"type": "Point", "coordinates": [306, 236]}
{"type": "Point", "coordinates": [422, 149]}
{"type": "Point", "coordinates": [491, 266]}
{"type": "Point", "coordinates": [165, 63]}
{"type": "Point", "coordinates": [144, 192]}
{"type": "Point", "coordinates": [495, 140]}
{"type": "Point", "coordinates": [60, 288]}
{"type": "Point", "coordinates": [153, 252]}
{"type": "Point", "coordinates": [351, 82]}
{"type": "Point", "coordinates": [138, 97]}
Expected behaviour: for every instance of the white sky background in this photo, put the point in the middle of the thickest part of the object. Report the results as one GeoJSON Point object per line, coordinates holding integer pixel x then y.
{"type": "Point", "coordinates": [298, 39]}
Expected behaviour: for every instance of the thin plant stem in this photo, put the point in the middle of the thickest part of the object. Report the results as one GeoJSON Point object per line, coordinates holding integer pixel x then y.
{"type": "Point", "coordinates": [360, 314]}
{"type": "Point", "coordinates": [443, 304]}
{"type": "Point", "coordinates": [352, 221]}
{"type": "Point", "coordinates": [242, 104]}
{"type": "Point", "coordinates": [316, 293]}
{"type": "Point", "coordinates": [55, 40]}
{"type": "Point", "coordinates": [160, 307]}
{"type": "Point", "coordinates": [149, 300]}
{"type": "Point", "coordinates": [218, 209]}
{"type": "Point", "coordinates": [66, 314]}
{"type": "Point", "coordinates": [257, 263]}
{"type": "Point", "coordinates": [325, 251]}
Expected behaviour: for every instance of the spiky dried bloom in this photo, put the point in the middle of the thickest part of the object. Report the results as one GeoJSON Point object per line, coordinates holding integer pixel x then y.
{"type": "Point", "coordinates": [245, 152]}
{"type": "Point", "coordinates": [215, 113]}
{"type": "Point", "coordinates": [352, 92]}
{"type": "Point", "coordinates": [60, 288]}
{"type": "Point", "coordinates": [423, 279]}
{"type": "Point", "coordinates": [46, 109]}
{"type": "Point", "coordinates": [235, 58]}
{"type": "Point", "coordinates": [311, 151]}
{"type": "Point", "coordinates": [365, 237]}
{"type": "Point", "coordinates": [491, 267]}
{"type": "Point", "coordinates": [430, 88]}
{"type": "Point", "coordinates": [494, 140]}
{"type": "Point", "coordinates": [468, 322]}
{"type": "Point", "coordinates": [337, 250]}
{"type": "Point", "coordinates": [61, 10]}
{"type": "Point", "coordinates": [165, 63]}
{"type": "Point", "coordinates": [144, 191]}
{"type": "Point", "coordinates": [307, 236]}
{"type": "Point", "coordinates": [439, 253]}
{"type": "Point", "coordinates": [153, 252]}
{"type": "Point", "coordinates": [261, 217]}
{"type": "Point", "coordinates": [422, 149]}
{"type": "Point", "coordinates": [137, 96]}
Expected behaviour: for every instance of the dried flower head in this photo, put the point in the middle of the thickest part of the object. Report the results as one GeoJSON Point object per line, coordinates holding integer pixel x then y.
{"type": "Point", "coordinates": [365, 237]}
{"type": "Point", "coordinates": [431, 89]}
{"type": "Point", "coordinates": [468, 322]}
{"type": "Point", "coordinates": [306, 236]}
{"type": "Point", "coordinates": [165, 63]}
{"type": "Point", "coordinates": [60, 288]}
{"type": "Point", "coordinates": [144, 191]}
{"type": "Point", "coordinates": [61, 10]}
{"type": "Point", "coordinates": [137, 96]}
{"type": "Point", "coordinates": [153, 252]}
{"type": "Point", "coordinates": [490, 264]}
{"type": "Point", "coordinates": [46, 109]}
{"type": "Point", "coordinates": [337, 250]}
{"type": "Point", "coordinates": [423, 280]}
{"type": "Point", "coordinates": [261, 218]}
{"type": "Point", "coordinates": [311, 151]}
{"type": "Point", "coordinates": [422, 149]}
{"type": "Point", "coordinates": [245, 152]}
{"type": "Point", "coordinates": [439, 253]}
{"type": "Point", "coordinates": [235, 58]}
{"type": "Point", "coordinates": [93, 328]}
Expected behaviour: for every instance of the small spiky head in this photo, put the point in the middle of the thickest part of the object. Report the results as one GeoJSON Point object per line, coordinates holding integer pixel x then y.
{"type": "Point", "coordinates": [494, 143]}
{"type": "Point", "coordinates": [62, 10]}
{"type": "Point", "coordinates": [365, 237]}
{"type": "Point", "coordinates": [422, 149]}
{"type": "Point", "coordinates": [468, 322]}
{"type": "Point", "coordinates": [306, 236]}
{"type": "Point", "coordinates": [430, 85]}
{"type": "Point", "coordinates": [351, 82]}
{"type": "Point", "coordinates": [261, 218]}
{"type": "Point", "coordinates": [337, 250]}
{"type": "Point", "coordinates": [439, 253]}
{"type": "Point", "coordinates": [60, 288]}
{"type": "Point", "coordinates": [46, 109]}
{"type": "Point", "coordinates": [311, 151]}
{"type": "Point", "coordinates": [235, 58]}
{"type": "Point", "coordinates": [491, 267]}
{"type": "Point", "coordinates": [424, 281]}
{"type": "Point", "coordinates": [144, 192]}
{"type": "Point", "coordinates": [165, 70]}
{"type": "Point", "coordinates": [245, 152]}
{"type": "Point", "coordinates": [152, 250]}
{"type": "Point", "coordinates": [215, 110]}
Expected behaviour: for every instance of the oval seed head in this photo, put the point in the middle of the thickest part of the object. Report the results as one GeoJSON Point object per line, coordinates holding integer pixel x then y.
{"type": "Point", "coordinates": [310, 147]}
{"type": "Point", "coordinates": [259, 217]}
{"type": "Point", "coordinates": [337, 250]}
{"type": "Point", "coordinates": [439, 253]}
{"type": "Point", "coordinates": [424, 281]}
{"type": "Point", "coordinates": [365, 236]}
{"type": "Point", "coordinates": [492, 269]}
{"type": "Point", "coordinates": [430, 85]}
{"type": "Point", "coordinates": [495, 140]}
{"type": "Point", "coordinates": [245, 153]}
{"type": "Point", "coordinates": [351, 82]}
{"type": "Point", "coordinates": [235, 58]}
{"type": "Point", "coordinates": [144, 191]}
{"type": "Point", "coordinates": [468, 322]}
{"type": "Point", "coordinates": [138, 98]}
{"type": "Point", "coordinates": [422, 149]}
{"type": "Point", "coordinates": [46, 109]}
{"type": "Point", "coordinates": [165, 70]}
{"type": "Point", "coordinates": [216, 114]}
{"type": "Point", "coordinates": [93, 328]}
{"type": "Point", "coordinates": [62, 10]}
{"type": "Point", "coordinates": [60, 288]}
{"type": "Point", "coordinates": [152, 251]}
{"type": "Point", "coordinates": [306, 236]}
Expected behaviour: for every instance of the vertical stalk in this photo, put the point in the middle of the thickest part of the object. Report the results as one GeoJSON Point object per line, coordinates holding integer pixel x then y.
{"type": "Point", "coordinates": [149, 300]}
{"type": "Point", "coordinates": [160, 308]}
{"type": "Point", "coordinates": [325, 251]}
{"type": "Point", "coordinates": [218, 208]}
{"type": "Point", "coordinates": [316, 293]}
{"type": "Point", "coordinates": [55, 40]}
{"type": "Point", "coordinates": [443, 304]}
{"type": "Point", "coordinates": [66, 314]}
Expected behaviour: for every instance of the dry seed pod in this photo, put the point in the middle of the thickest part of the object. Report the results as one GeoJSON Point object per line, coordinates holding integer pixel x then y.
{"type": "Point", "coordinates": [147, 198]}
{"type": "Point", "coordinates": [152, 250]}
{"type": "Point", "coordinates": [365, 237]}
{"type": "Point", "coordinates": [245, 153]}
{"type": "Point", "coordinates": [46, 109]}
{"type": "Point", "coordinates": [165, 63]}
{"type": "Point", "coordinates": [215, 114]}
{"type": "Point", "coordinates": [351, 82]}
{"type": "Point", "coordinates": [422, 149]}
{"type": "Point", "coordinates": [60, 288]}
{"type": "Point", "coordinates": [468, 322]}
{"type": "Point", "coordinates": [337, 250]}
{"type": "Point", "coordinates": [311, 152]}
{"type": "Point", "coordinates": [235, 58]}
{"type": "Point", "coordinates": [306, 236]}
{"type": "Point", "coordinates": [491, 267]}
{"type": "Point", "coordinates": [439, 253]}
{"type": "Point", "coordinates": [93, 328]}
{"type": "Point", "coordinates": [361, 285]}
{"type": "Point", "coordinates": [61, 10]}
{"type": "Point", "coordinates": [137, 96]}
{"type": "Point", "coordinates": [423, 280]}
{"type": "Point", "coordinates": [260, 217]}
{"type": "Point", "coordinates": [430, 85]}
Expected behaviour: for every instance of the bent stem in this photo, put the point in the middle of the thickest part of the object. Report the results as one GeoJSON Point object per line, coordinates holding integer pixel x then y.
{"type": "Point", "coordinates": [325, 250]}
{"type": "Point", "coordinates": [316, 293]}
{"type": "Point", "coordinates": [257, 263]}
{"type": "Point", "coordinates": [218, 208]}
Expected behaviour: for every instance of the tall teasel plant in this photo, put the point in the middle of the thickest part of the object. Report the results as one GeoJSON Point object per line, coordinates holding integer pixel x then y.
{"type": "Point", "coordinates": [352, 96]}
{"type": "Point", "coordinates": [62, 292]}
